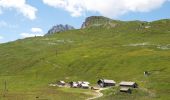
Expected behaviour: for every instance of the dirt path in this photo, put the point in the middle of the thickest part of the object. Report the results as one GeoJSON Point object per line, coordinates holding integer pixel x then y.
{"type": "Point", "coordinates": [97, 94]}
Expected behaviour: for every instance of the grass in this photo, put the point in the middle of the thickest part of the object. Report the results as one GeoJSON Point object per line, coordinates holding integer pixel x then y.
{"type": "Point", "coordinates": [114, 94]}
{"type": "Point", "coordinates": [29, 65]}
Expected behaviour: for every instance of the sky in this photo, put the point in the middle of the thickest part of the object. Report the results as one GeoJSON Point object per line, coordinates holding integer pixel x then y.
{"type": "Point", "coordinates": [28, 18]}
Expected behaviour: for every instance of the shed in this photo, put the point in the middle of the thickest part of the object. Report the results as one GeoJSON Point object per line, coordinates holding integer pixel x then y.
{"type": "Point", "coordinates": [84, 86]}
{"type": "Point", "coordinates": [79, 83]}
{"type": "Point", "coordinates": [125, 89]}
{"type": "Point", "coordinates": [61, 83]}
{"type": "Point", "coordinates": [73, 84]}
{"type": "Point", "coordinates": [128, 84]}
{"type": "Point", "coordinates": [106, 82]}
{"type": "Point", "coordinates": [83, 82]}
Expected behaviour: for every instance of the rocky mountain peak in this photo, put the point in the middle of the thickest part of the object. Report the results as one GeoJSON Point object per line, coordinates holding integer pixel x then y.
{"type": "Point", "coordinates": [60, 28]}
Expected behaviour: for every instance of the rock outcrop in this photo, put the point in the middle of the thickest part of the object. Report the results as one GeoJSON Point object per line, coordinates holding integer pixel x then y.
{"type": "Point", "coordinates": [94, 21]}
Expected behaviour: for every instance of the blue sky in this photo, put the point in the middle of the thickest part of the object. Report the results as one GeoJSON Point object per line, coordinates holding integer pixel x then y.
{"type": "Point", "coordinates": [26, 18]}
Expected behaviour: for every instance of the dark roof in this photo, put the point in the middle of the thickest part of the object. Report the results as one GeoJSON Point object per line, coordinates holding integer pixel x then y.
{"type": "Point", "coordinates": [127, 83]}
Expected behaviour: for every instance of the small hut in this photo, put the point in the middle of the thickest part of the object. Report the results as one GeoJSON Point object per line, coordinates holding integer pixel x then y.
{"type": "Point", "coordinates": [106, 82]}
{"type": "Point", "coordinates": [83, 82]}
{"type": "Point", "coordinates": [79, 82]}
{"type": "Point", "coordinates": [128, 84]}
{"type": "Point", "coordinates": [125, 89]}
{"type": "Point", "coordinates": [73, 84]}
{"type": "Point", "coordinates": [84, 86]}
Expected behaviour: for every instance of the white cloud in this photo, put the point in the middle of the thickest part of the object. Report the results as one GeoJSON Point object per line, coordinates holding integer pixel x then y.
{"type": "Point", "coordinates": [25, 35]}
{"type": "Point", "coordinates": [21, 6]}
{"type": "Point", "coordinates": [109, 8]}
{"type": "Point", "coordinates": [33, 32]}
{"type": "Point", "coordinates": [36, 30]}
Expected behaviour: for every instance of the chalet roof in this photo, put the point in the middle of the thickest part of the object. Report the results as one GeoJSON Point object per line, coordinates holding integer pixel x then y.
{"type": "Point", "coordinates": [74, 84]}
{"type": "Point", "coordinates": [84, 85]}
{"type": "Point", "coordinates": [83, 82]}
{"type": "Point", "coordinates": [126, 83]}
{"type": "Point", "coordinates": [61, 81]}
{"type": "Point", "coordinates": [108, 81]}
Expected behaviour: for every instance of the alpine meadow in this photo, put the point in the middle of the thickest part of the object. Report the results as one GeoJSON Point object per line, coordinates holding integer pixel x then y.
{"type": "Point", "coordinates": [102, 48]}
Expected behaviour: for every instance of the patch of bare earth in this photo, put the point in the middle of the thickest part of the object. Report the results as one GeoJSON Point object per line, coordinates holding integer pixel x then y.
{"type": "Point", "coordinates": [97, 94]}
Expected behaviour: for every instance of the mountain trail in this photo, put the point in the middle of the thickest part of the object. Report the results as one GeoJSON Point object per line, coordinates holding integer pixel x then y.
{"type": "Point", "coordinates": [98, 94]}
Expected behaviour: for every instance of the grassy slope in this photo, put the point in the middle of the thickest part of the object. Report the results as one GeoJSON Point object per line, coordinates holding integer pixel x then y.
{"type": "Point", "coordinates": [96, 52]}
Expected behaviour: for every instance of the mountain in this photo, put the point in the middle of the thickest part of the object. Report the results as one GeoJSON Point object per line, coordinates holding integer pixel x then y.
{"type": "Point", "coordinates": [60, 28]}
{"type": "Point", "coordinates": [118, 50]}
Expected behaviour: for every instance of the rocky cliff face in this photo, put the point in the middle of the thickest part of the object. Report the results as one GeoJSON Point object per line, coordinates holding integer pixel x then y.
{"type": "Point", "coordinates": [60, 28]}
{"type": "Point", "coordinates": [95, 21]}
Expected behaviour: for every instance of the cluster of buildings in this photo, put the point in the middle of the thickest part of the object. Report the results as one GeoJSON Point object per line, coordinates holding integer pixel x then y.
{"type": "Point", "coordinates": [79, 84]}
{"type": "Point", "coordinates": [124, 85]}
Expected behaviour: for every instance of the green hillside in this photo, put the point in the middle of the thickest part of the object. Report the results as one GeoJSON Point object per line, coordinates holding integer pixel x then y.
{"type": "Point", "coordinates": [117, 50]}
